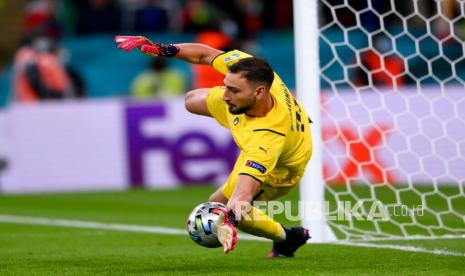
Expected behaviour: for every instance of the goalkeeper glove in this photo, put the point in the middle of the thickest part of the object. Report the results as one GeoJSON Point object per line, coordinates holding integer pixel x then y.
{"type": "Point", "coordinates": [146, 46]}
{"type": "Point", "coordinates": [225, 230]}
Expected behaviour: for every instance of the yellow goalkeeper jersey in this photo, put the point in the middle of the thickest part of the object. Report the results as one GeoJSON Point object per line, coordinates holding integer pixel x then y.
{"type": "Point", "coordinates": [275, 148]}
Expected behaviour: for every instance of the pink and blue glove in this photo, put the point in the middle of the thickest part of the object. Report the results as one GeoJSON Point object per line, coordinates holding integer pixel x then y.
{"type": "Point", "coordinates": [146, 46]}
{"type": "Point", "coordinates": [225, 230]}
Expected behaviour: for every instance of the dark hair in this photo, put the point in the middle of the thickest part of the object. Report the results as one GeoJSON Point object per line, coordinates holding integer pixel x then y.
{"type": "Point", "coordinates": [254, 69]}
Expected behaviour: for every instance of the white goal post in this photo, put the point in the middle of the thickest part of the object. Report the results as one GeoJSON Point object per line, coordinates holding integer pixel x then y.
{"type": "Point", "coordinates": [389, 118]}
{"type": "Point", "coordinates": [308, 89]}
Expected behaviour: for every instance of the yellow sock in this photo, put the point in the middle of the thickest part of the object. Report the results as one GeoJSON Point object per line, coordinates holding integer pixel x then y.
{"type": "Point", "coordinates": [259, 224]}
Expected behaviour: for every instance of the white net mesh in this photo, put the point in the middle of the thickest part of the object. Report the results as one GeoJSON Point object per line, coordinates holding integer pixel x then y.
{"type": "Point", "coordinates": [393, 81]}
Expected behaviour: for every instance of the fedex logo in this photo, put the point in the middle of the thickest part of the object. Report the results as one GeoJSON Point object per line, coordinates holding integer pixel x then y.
{"type": "Point", "coordinates": [181, 159]}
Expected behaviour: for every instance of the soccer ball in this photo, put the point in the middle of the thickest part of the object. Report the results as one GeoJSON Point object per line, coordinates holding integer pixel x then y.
{"type": "Point", "coordinates": [201, 224]}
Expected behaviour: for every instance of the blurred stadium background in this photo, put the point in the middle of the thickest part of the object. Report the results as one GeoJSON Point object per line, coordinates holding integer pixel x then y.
{"type": "Point", "coordinates": [96, 140]}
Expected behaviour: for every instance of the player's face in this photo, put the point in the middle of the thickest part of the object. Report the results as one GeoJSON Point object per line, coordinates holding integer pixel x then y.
{"type": "Point", "coordinates": [239, 95]}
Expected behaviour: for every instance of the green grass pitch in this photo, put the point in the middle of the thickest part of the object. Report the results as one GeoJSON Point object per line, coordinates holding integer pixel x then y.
{"type": "Point", "coordinates": [50, 250]}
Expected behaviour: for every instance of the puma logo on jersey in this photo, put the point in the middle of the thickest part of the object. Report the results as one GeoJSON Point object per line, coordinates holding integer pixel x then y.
{"type": "Point", "coordinates": [266, 151]}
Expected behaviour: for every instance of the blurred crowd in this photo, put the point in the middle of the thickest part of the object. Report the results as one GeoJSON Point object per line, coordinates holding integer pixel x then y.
{"type": "Point", "coordinates": [237, 18]}
{"type": "Point", "coordinates": [41, 69]}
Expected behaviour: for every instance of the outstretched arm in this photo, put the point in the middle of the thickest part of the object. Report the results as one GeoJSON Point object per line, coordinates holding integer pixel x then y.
{"type": "Point", "coordinates": [190, 52]}
{"type": "Point", "coordinates": [197, 53]}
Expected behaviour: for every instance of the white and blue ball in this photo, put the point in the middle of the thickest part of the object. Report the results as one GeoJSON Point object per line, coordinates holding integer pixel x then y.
{"type": "Point", "coordinates": [201, 224]}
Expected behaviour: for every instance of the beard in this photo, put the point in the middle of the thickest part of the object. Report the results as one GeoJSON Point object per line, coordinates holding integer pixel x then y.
{"type": "Point", "coordinates": [241, 110]}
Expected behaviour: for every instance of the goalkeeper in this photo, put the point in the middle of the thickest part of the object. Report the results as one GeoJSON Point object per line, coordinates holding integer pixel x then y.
{"type": "Point", "coordinates": [268, 125]}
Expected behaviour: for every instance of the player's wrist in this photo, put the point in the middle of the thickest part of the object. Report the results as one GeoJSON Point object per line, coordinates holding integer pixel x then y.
{"type": "Point", "coordinates": [229, 216]}
{"type": "Point", "coordinates": [160, 49]}
{"type": "Point", "coordinates": [233, 218]}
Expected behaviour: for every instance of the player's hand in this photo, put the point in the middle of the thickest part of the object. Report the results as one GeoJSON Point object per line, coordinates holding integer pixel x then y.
{"type": "Point", "coordinates": [146, 46]}
{"type": "Point", "coordinates": [226, 232]}
{"type": "Point", "coordinates": [128, 43]}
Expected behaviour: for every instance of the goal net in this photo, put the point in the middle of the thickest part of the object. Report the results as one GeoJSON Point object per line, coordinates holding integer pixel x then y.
{"type": "Point", "coordinates": [392, 82]}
